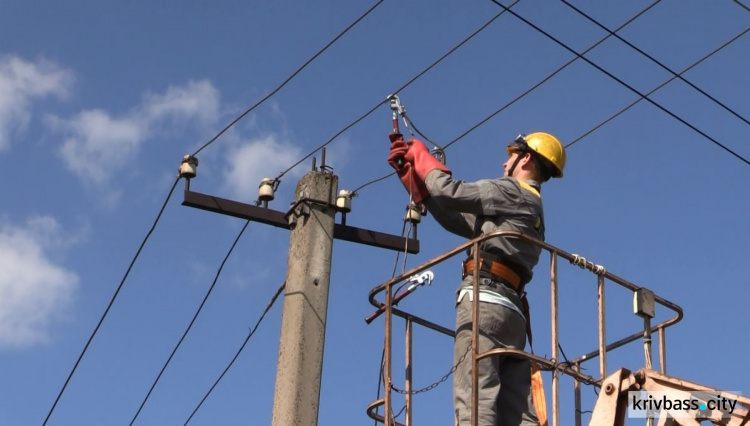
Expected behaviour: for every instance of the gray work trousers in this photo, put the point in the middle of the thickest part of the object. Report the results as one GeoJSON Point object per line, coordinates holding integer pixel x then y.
{"type": "Point", "coordinates": [504, 381]}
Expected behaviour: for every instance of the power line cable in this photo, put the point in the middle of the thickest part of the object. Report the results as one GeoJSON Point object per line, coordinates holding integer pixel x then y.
{"type": "Point", "coordinates": [404, 86]}
{"type": "Point", "coordinates": [519, 97]}
{"type": "Point", "coordinates": [471, 129]}
{"type": "Point", "coordinates": [629, 87]}
{"type": "Point", "coordinates": [742, 5]}
{"type": "Point", "coordinates": [288, 79]}
{"type": "Point", "coordinates": [189, 327]}
{"type": "Point", "coordinates": [239, 351]}
{"type": "Point", "coordinates": [547, 78]}
{"type": "Point", "coordinates": [618, 113]}
{"type": "Point", "coordinates": [654, 60]}
{"type": "Point", "coordinates": [439, 150]}
{"type": "Point", "coordinates": [111, 302]}
{"type": "Point", "coordinates": [364, 185]}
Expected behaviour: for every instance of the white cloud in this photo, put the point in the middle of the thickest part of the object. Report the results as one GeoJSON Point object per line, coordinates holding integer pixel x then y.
{"type": "Point", "coordinates": [98, 144]}
{"type": "Point", "coordinates": [199, 99]}
{"type": "Point", "coordinates": [256, 159]}
{"type": "Point", "coordinates": [33, 289]}
{"type": "Point", "coordinates": [21, 82]}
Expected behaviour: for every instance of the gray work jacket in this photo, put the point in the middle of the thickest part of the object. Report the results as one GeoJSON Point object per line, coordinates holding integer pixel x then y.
{"type": "Point", "coordinates": [470, 209]}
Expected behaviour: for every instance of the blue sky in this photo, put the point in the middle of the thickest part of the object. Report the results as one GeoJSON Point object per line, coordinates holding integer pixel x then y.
{"type": "Point", "coordinates": [99, 101]}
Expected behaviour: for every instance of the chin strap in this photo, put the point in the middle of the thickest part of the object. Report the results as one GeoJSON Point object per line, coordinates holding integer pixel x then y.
{"type": "Point", "coordinates": [521, 152]}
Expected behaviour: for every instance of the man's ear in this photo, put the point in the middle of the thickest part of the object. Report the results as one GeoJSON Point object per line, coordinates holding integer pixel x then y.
{"type": "Point", "coordinates": [527, 158]}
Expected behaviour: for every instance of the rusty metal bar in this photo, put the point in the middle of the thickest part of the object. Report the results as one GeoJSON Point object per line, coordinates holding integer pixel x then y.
{"type": "Point", "coordinates": [475, 339]}
{"type": "Point", "coordinates": [647, 341]}
{"type": "Point", "coordinates": [625, 340]}
{"type": "Point", "coordinates": [371, 412]}
{"type": "Point", "coordinates": [278, 219]}
{"type": "Point", "coordinates": [549, 364]}
{"type": "Point", "coordinates": [662, 351]}
{"type": "Point", "coordinates": [408, 373]}
{"type": "Point", "coordinates": [544, 364]}
{"type": "Point", "coordinates": [555, 338]}
{"type": "Point", "coordinates": [375, 239]}
{"type": "Point", "coordinates": [235, 209]}
{"type": "Point", "coordinates": [424, 323]}
{"type": "Point", "coordinates": [647, 353]}
{"type": "Point", "coordinates": [387, 379]}
{"type": "Point", "coordinates": [577, 392]}
{"type": "Point", "coordinates": [602, 329]}
{"type": "Point", "coordinates": [561, 253]}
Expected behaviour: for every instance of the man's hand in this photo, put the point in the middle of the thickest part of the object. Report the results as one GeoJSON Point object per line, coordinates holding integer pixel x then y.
{"type": "Point", "coordinates": [398, 158]}
{"type": "Point", "coordinates": [399, 148]}
{"type": "Point", "coordinates": [423, 161]}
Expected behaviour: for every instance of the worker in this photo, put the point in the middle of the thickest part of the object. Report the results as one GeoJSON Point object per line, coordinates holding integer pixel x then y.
{"type": "Point", "coordinates": [512, 202]}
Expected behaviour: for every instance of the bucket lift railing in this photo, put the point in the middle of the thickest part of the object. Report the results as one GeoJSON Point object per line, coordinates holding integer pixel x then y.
{"type": "Point", "coordinates": [570, 368]}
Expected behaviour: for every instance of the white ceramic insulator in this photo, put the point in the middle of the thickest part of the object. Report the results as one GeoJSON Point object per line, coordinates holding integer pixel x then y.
{"type": "Point", "coordinates": [344, 201]}
{"type": "Point", "coordinates": [188, 167]}
{"type": "Point", "coordinates": [266, 192]}
{"type": "Point", "coordinates": [413, 214]}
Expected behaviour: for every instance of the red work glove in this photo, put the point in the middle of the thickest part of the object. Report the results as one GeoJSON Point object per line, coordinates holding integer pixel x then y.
{"type": "Point", "coordinates": [404, 168]}
{"type": "Point", "coordinates": [423, 161]}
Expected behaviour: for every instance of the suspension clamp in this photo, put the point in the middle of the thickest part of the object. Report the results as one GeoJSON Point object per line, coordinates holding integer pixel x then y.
{"type": "Point", "coordinates": [396, 105]}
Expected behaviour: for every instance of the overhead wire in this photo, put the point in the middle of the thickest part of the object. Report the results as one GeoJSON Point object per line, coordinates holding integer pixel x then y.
{"type": "Point", "coordinates": [587, 133]}
{"type": "Point", "coordinates": [192, 321]}
{"type": "Point", "coordinates": [742, 5]}
{"type": "Point", "coordinates": [239, 351]}
{"type": "Point", "coordinates": [657, 62]}
{"type": "Point", "coordinates": [629, 87]}
{"type": "Point", "coordinates": [522, 95]}
{"type": "Point", "coordinates": [618, 113]}
{"type": "Point", "coordinates": [288, 79]}
{"type": "Point", "coordinates": [111, 302]}
{"type": "Point", "coordinates": [404, 86]}
{"type": "Point", "coordinates": [548, 77]}
{"type": "Point", "coordinates": [439, 149]}
{"type": "Point", "coordinates": [366, 184]}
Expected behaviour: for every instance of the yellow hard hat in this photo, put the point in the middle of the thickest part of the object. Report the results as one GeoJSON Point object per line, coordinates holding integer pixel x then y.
{"type": "Point", "coordinates": [546, 146]}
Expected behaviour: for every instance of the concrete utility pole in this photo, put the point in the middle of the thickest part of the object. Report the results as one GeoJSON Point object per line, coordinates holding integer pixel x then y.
{"type": "Point", "coordinates": [303, 326]}
{"type": "Point", "coordinates": [311, 221]}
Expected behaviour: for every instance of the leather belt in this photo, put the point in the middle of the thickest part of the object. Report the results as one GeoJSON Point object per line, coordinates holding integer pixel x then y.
{"type": "Point", "coordinates": [494, 268]}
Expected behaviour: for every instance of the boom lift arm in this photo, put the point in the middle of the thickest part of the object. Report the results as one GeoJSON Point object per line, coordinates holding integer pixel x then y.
{"type": "Point", "coordinates": [613, 401]}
